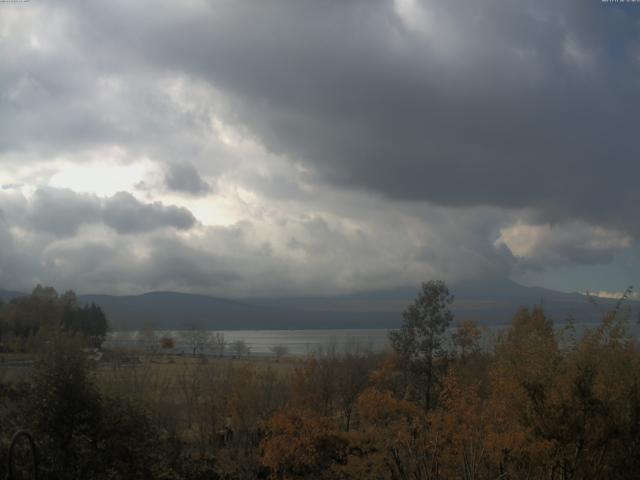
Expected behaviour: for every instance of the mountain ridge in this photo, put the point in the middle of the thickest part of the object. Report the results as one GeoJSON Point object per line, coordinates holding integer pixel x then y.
{"type": "Point", "coordinates": [489, 302]}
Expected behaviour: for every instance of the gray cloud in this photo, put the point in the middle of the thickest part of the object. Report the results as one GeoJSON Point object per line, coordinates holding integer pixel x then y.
{"type": "Point", "coordinates": [17, 267]}
{"type": "Point", "coordinates": [279, 252]}
{"type": "Point", "coordinates": [459, 104]}
{"type": "Point", "coordinates": [61, 212]}
{"type": "Point", "coordinates": [506, 105]}
{"type": "Point", "coordinates": [126, 214]}
{"type": "Point", "coordinates": [113, 265]}
{"type": "Point", "coordinates": [183, 177]}
{"type": "Point", "coordinates": [411, 135]}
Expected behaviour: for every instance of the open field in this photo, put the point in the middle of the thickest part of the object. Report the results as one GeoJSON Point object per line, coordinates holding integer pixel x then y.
{"type": "Point", "coordinates": [14, 365]}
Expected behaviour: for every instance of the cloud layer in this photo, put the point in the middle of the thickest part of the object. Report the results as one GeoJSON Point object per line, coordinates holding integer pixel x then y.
{"type": "Point", "coordinates": [296, 146]}
{"type": "Point", "coordinates": [62, 211]}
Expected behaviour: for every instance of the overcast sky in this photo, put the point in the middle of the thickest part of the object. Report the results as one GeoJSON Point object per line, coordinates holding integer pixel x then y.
{"type": "Point", "coordinates": [295, 147]}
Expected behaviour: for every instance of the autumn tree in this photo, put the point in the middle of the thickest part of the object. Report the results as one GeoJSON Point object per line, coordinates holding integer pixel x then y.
{"type": "Point", "coordinates": [167, 342]}
{"type": "Point", "coordinates": [393, 441]}
{"type": "Point", "coordinates": [460, 424]}
{"type": "Point", "coordinates": [314, 382]}
{"type": "Point", "coordinates": [418, 342]}
{"type": "Point", "coordinates": [300, 444]}
{"type": "Point", "coordinates": [466, 338]}
{"type": "Point", "coordinates": [303, 385]}
{"type": "Point", "coordinates": [352, 377]}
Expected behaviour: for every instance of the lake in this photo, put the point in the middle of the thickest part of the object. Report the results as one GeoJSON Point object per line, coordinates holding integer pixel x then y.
{"type": "Point", "coordinates": [297, 342]}
{"type": "Point", "coordinates": [261, 342]}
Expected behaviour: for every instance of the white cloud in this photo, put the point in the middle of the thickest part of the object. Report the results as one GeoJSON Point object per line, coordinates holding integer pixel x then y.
{"type": "Point", "coordinates": [615, 295]}
{"type": "Point", "coordinates": [538, 246]}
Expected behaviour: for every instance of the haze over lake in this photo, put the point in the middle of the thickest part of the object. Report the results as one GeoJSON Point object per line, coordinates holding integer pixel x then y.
{"type": "Point", "coordinates": [307, 342]}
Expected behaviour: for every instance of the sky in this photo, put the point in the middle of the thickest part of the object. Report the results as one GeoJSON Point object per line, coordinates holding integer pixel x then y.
{"type": "Point", "coordinates": [297, 147]}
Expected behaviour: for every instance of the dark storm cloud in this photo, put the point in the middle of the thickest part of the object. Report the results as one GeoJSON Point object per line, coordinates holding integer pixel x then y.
{"type": "Point", "coordinates": [183, 177]}
{"type": "Point", "coordinates": [62, 211]}
{"type": "Point", "coordinates": [457, 120]}
{"type": "Point", "coordinates": [458, 103]}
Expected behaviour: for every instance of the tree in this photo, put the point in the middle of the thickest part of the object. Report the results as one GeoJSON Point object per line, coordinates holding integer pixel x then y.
{"type": "Point", "coordinates": [64, 403]}
{"type": "Point", "coordinates": [167, 342]}
{"type": "Point", "coordinates": [196, 339]}
{"type": "Point", "coordinates": [148, 338]}
{"type": "Point", "coordinates": [95, 325]}
{"type": "Point", "coordinates": [28, 314]}
{"type": "Point", "coordinates": [81, 432]}
{"type": "Point", "coordinates": [352, 378]}
{"type": "Point", "coordinates": [89, 321]}
{"type": "Point", "coordinates": [4, 327]}
{"type": "Point", "coordinates": [218, 344]}
{"type": "Point", "coordinates": [279, 351]}
{"type": "Point", "coordinates": [393, 441]}
{"type": "Point", "coordinates": [69, 299]}
{"type": "Point", "coordinates": [419, 341]}
{"type": "Point", "coordinates": [301, 444]}
{"type": "Point", "coordinates": [572, 410]}
{"type": "Point", "coordinates": [460, 425]}
{"type": "Point", "coordinates": [240, 348]}
{"type": "Point", "coordinates": [466, 338]}
{"type": "Point", "coordinates": [44, 308]}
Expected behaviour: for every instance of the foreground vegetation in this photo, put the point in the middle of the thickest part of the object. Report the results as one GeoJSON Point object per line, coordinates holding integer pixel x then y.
{"type": "Point", "coordinates": [541, 404]}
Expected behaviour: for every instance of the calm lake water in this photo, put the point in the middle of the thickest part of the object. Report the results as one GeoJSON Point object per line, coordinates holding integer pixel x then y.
{"type": "Point", "coordinates": [261, 342]}
{"type": "Point", "coordinates": [296, 342]}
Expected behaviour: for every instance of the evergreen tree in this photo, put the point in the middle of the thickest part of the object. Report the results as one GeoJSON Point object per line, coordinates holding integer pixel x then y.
{"type": "Point", "coordinates": [419, 341]}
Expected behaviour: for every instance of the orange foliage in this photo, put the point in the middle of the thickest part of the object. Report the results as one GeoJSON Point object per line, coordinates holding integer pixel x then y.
{"type": "Point", "coordinates": [304, 393]}
{"type": "Point", "coordinates": [393, 441]}
{"type": "Point", "coordinates": [533, 408]}
{"type": "Point", "coordinates": [460, 423]}
{"type": "Point", "coordinates": [300, 443]}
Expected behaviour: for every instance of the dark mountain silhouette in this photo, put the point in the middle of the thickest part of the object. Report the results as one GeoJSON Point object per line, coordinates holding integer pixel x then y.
{"type": "Point", "coordinates": [172, 310]}
{"type": "Point", "coordinates": [8, 295]}
{"type": "Point", "coordinates": [490, 302]}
